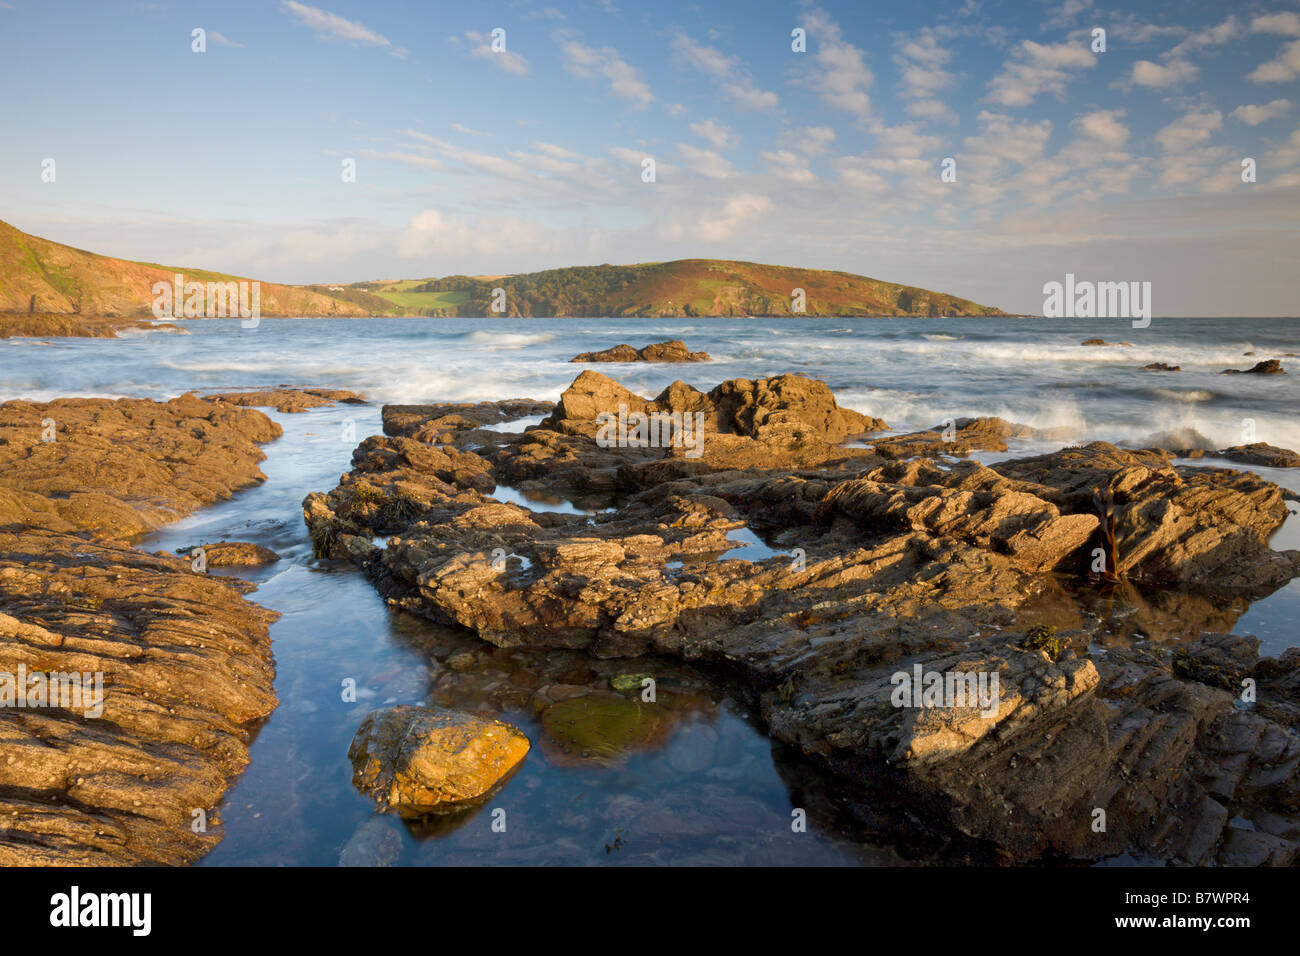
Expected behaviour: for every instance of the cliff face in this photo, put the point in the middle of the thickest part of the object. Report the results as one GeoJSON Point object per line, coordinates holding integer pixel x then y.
{"type": "Point", "coordinates": [40, 276]}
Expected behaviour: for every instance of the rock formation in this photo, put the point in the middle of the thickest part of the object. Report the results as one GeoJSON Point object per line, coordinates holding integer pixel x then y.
{"type": "Point", "coordinates": [893, 562]}
{"type": "Point", "coordinates": [182, 660]}
{"type": "Point", "coordinates": [672, 351]}
{"type": "Point", "coordinates": [421, 760]}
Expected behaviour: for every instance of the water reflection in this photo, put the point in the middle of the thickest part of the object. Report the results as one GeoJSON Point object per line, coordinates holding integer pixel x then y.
{"type": "Point", "coordinates": [611, 778]}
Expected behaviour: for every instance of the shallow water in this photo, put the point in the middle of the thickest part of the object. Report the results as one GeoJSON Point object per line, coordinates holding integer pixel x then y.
{"type": "Point", "coordinates": [704, 785]}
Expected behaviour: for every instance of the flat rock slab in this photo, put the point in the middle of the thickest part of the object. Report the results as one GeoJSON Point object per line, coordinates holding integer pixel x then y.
{"type": "Point", "coordinates": [290, 399]}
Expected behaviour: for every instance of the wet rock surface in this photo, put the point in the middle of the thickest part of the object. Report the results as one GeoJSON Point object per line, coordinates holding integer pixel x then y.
{"type": "Point", "coordinates": [52, 325]}
{"type": "Point", "coordinates": [132, 775]}
{"type": "Point", "coordinates": [123, 467]}
{"type": "Point", "coordinates": [891, 563]}
{"type": "Point", "coordinates": [671, 351]}
{"type": "Point", "coordinates": [234, 554]}
{"type": "Point", "coordinates": [427, 760]}
{"type": "Point", "coordinates": [1266, 367]}
{"type": "Point", "coordinates": [959, 437]}
{"type": "Point", "coordinates": [1261, 453]}
{"type": "Point", "coordinates": [287, 399]}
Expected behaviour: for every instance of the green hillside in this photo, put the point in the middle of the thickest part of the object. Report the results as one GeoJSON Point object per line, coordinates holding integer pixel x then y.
{"type": "Point", "coordinates": [42, 277]}
{"type": "Point", "coordinates": [687, 287]}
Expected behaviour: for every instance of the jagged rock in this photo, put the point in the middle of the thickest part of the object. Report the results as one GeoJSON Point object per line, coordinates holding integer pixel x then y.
{"type": "Point", "coordinates": [900, 563]}
{"type": "Point", "coordinates": [789, 409]}
{"type": "Point", "coordinates": [1031, 531]}
{"type": "Point", "coordinates": [671, 351]}
{"type": "Point", "coordinates": [1161, 367]}
{"type": "Point", "coordinates": [1261, 453]}
{"type": "Point", "coordinates": [1267, 367]}
{"type": "Point", "coordinates": [1170, 525]}
{"type": "Point", "coordinates": [422, 760]}
{"type": "Point", "coordinates": [407, 420]}
{"type": "Point", "coordinates": [959, 437]}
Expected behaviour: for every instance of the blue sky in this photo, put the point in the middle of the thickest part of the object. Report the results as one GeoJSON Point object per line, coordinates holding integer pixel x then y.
{"type": "Point", "coordinates": [1124, 164]}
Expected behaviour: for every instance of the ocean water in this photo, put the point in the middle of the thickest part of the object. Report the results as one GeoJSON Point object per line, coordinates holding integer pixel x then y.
{"type": "Point", "coordinates": [911, 372]}
{"type": "Point", "coordinates": [709, 786]}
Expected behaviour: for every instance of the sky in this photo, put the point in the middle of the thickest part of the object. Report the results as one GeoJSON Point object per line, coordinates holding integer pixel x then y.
{"type": "Point", "coordinates": [1122, 164]}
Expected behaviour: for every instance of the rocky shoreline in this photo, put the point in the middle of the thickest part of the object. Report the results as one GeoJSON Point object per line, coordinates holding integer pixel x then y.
{"type": "Point", "coordinates": [182, 658]}
{"type": "Point", "coordinates": [54, 325]}
{"type": "Point", "coordinates": [899, 556]}
{"type": "Point", "coordinates": [894, 555]}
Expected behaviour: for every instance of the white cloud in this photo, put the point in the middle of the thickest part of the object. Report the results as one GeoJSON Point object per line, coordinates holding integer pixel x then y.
{"type": "Point", "coordinates": [1283, 68]}
{"type": "Point", "coordinates": [1103, 126]}
{"type": "Point", "coordinates": [838, 71]}
{"type": "Point", "coordinates": [222, 40]}
{"type": "Point", "coordinates": [1190, 130]}
{"type": "Point", "coordinates": [507, 59]}
{"type": "Point", "coordinates": [789, 165]}
{"type": "Point", "coordinates": [735, 81]}
{"type": "Point", "coordinates": [557, 152]}
{"type": "Point", "coordinates": [625, 80]}
{"type": "Point", "coordinates": [1147, 73]}
{"type": "Point", "coordinates": [1211, 36]}
{"type": "Point", "coordinates": [1037, 68]}
{"type": "Point", "coordinates": [331, 25]}
{"type": "Point", "coordinates": [1067, 12]}
{"type": "Point", "coordinates": [716, 135]}
{"type": "Point", "coordinates": [430, 233]}
{"type": "Point", "coordinates": [739, 212]}
{"type": "Point", "coordinates": [1286, 24]}
{"type": "Point", "coordinates": [905, 140]}
{"type": "Point", "coordinates": [810, 140]}
{"type": "Point", "coordinates": [1287, 155]}
{"type": "Point", "coordinates": [705, 161]}
{"type": "Point", "coordinates": [1131, 30]}
{"type": "Point", "coordinates": [408, 159]}
{"type": "Point", "coordinates": [920, 61]}
{"type": "Point", "coordinates": [1253, 115]}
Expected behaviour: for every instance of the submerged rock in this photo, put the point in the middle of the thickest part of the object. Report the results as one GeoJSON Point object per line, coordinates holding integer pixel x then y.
{"type": "Point", "coordinates": [375, 843]}
{"type": "Point", "coordinates": [601, 729]}
{"type": "Point", "coordinates": [422, 760]}
{"type": "Point", "coordinates": [671, 351]}
{"type": "Point", "coordinates": [1161, 367]}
